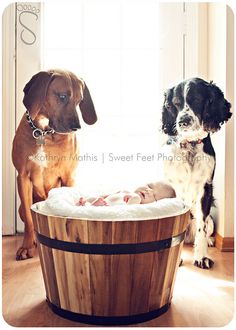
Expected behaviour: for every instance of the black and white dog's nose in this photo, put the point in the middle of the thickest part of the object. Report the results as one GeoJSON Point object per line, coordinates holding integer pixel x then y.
{"type": "Point", "coordinates": [185, 121]}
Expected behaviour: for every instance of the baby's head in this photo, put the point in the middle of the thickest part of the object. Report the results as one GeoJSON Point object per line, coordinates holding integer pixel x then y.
{"type": "Point", "coordinates": [154, 192]}
{"type": "Point", "coordinates": [146, 194]}
{"type": "Point", "coordinates": [162, 190]}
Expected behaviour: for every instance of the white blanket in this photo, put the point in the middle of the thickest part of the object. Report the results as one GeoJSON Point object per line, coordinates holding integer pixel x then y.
{"type": "Point", "coordinates": [61, 202]}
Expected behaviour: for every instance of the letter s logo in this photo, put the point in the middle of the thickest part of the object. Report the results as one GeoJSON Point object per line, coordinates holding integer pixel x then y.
{"type": "Point", "coordinates": [27, 35]}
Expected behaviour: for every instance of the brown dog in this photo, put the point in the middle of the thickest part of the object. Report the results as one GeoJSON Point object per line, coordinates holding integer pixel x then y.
{"type": "Point", "coordinates": [45, 148]}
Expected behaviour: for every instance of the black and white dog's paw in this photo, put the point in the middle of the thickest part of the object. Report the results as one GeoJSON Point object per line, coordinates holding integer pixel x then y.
{"type": "Point", "coordinates": [204, 263]}
{"type": "Point", "coordinates": [211, 241]}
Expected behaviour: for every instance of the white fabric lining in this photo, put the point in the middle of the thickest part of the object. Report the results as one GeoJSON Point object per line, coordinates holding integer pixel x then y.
{"type": "Point", "coordinates": [61, 202]}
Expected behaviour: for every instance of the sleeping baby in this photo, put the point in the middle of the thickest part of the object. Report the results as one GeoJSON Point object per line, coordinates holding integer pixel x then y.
{"type": "Point", "coordinates": [142, 195]}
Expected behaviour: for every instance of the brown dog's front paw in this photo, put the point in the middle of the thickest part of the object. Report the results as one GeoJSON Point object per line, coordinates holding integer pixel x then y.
{"type": "Point", "coordinates": [27, 249]}
{"type": "Point", "coordinates": [204, 263]}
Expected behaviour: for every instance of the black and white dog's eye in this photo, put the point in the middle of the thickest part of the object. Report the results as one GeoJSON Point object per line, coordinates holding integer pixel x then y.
{"type": "Point", "coordinates": [177, 104]}
{"type": "Point", "coordinates": [168, 105]}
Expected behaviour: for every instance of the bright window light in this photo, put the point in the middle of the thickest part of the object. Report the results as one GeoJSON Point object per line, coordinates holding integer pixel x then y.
{"type": "Point", "coordinates": [114, 47]}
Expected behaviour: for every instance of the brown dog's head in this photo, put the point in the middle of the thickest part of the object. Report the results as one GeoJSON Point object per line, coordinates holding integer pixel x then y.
{"type": "Point", "coordinates": [55, 94]}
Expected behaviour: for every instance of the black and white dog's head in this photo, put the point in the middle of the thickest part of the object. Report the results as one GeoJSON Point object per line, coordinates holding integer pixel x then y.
{"type": "Point", "coordinates": [194, 108]}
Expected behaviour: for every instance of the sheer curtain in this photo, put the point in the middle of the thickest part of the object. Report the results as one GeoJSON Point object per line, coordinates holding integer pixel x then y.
{"type": "Point", "coordinates": [114, 46]}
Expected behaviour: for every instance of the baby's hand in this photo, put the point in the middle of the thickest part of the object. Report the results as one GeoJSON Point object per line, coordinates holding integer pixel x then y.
{"type": "Point", "coordinates": [127, 198]}
{"type": "Point", "coordinates": [81, 202]}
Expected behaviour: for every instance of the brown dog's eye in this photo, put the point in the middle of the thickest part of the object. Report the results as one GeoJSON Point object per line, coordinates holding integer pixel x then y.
{"type": "Point", "coordinates": [63, 98]}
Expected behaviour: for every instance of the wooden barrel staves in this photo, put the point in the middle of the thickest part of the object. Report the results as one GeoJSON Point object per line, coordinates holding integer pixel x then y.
{"type": "Point", "coordinates": [109, 272]}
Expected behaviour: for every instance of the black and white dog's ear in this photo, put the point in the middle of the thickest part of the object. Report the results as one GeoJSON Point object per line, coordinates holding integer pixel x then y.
{"type": "Point", "coordinates": [169, 114]}
{"type": "Point", "coordinates": [217, 109]}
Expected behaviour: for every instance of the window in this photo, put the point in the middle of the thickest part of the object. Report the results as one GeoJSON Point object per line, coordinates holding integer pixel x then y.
{"type": "Point", "coordinates": [114, 46]}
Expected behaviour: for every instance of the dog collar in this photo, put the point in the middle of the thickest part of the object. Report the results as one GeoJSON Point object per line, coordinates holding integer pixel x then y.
{"type": "Point", "coordinates": [38, 133]}
{"type": "Point", "coordinates": [193, 143]}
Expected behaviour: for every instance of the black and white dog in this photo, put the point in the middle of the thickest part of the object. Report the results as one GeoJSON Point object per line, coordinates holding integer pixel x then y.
{"type": "Point", "coordinates": [192, 110]}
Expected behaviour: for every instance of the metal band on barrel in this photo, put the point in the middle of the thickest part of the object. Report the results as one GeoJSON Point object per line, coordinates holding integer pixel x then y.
{"type": "Point", "coordinates": [110, 249]}
{"type": "Point", "coordinates": [108, 320]}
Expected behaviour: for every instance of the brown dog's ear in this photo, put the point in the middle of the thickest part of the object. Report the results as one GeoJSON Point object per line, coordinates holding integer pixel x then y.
{"type": "Point", "coordinates": [35, 92]}
{"type": "Point", "coordinates": [87, 108]}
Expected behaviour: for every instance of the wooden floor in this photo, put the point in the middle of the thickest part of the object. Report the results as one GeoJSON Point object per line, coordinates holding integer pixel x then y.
{"type": "Point", "coordinates": [202, 298]}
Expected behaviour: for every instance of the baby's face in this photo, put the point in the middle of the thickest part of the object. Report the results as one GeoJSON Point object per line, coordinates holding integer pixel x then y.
{"type": "Point", "coordinates": [146, 194]}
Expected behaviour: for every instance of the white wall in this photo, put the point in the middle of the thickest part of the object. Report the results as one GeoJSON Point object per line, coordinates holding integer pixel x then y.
{"type": "Point", "coordinates": [28, 60]}
{"type": "Point", "coordinates": [229, 134]}
{"type": "Point", "coordinates": [220, 70]}
{"type": "Point", "coordinates": [8, 122]}
{"type": "Point", "coordinates": [196, 40]}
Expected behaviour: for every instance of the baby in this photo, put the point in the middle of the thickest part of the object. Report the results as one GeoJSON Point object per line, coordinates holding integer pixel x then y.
{"type": "Point", "coordinates": [142, 195]}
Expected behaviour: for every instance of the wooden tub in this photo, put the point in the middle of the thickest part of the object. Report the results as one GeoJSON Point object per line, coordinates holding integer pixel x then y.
{"type": "Point", "coordinates": [109, 272]}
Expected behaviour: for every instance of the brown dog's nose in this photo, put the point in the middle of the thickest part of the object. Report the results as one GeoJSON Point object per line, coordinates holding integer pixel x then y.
{"type": "Point", "coordinates": [75, 124]}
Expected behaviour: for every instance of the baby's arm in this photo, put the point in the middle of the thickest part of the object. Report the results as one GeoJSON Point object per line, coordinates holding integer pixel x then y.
{"type": "Point", "coordinates": [132, 198]}
{"type": "Point", "coordinates": [123, 198]}
{"type": "Point", "coordinates": [115, 199]}
{"type": "Point", "coordinates": [100, 201]}
{"type": "Point", "coordinates": [112, 199]}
